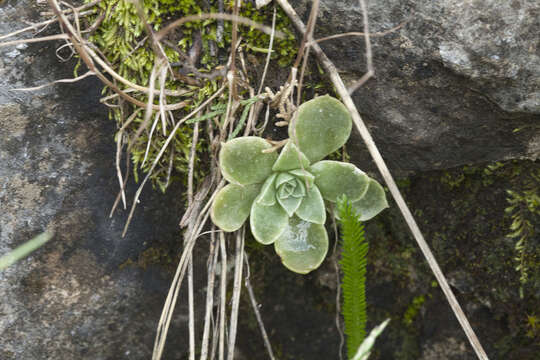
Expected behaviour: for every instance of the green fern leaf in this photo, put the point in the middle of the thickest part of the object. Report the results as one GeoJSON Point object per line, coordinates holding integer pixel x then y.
{"type": "Point", "coordinates": [353, 264]}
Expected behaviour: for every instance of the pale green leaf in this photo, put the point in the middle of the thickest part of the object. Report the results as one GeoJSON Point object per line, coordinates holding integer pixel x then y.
{"type": "Point", "coordinates": [232, 205]}
{"type": "Point", "coordinates": [302, 246]}
{"type": "Point", "coordinates": [304, 175]}
{"type": "Point", "coordinates": [268, 192]}
{"type": "Point", "coordinates": [312, 207]}
{"type": "Point", "coordinates": [364, 350]}
{"type": "Point", "coordinates": [335, 178]}
{"type": "Point", "coordinates": [290, 204]}
{"type": "Point", "coordinates": [283, 178]}
{"type": "Point", "coordinates": [322, 126]}
{"type": "Point", "coordinates": [290, 158]}
{"type": "Point", "coordinates": [243, 162]}
{"type": "Point", "coordinates": [300, 189]}
{"type": "Point", "coordinates": [267, 222]}
{"type": "Point", "coordinates": [24, 250]}
{"type": "Point", "coordinates": [372, 203]}
{"type": "Point", "coordinates": [285, 190]}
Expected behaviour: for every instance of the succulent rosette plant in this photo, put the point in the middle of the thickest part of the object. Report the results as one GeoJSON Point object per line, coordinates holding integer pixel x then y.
{"type": "Point", "coordinates": [285, 195]}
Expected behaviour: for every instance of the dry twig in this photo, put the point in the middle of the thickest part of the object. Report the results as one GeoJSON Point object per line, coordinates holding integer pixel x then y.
{"type": "Point", "coordinates": [255, 307]}
{"type": "Point", "coordinates": [237, 288]}
{"type": "Point", "coordinates": [369, 57]}
{"type": "Point", "coordinates": [158, 157]}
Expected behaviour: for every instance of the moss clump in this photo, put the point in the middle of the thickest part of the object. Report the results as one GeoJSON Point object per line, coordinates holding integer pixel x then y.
{"type": "Point", "coordinates": [413, 309]}
{"type": "Point", "coordinates": [121, 39]}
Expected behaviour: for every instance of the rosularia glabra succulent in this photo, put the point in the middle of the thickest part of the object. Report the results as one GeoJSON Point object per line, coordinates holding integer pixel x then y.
{"type": "Point", "coordinates": [285, 195]}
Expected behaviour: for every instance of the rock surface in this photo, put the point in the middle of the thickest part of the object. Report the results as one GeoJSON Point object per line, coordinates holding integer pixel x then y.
{"type": "Point", "coordinates": [452, 85]}
{"type": "Point", "coordinates": [72, 299]}
{"type": "Point", "coordinates": [447, 92]}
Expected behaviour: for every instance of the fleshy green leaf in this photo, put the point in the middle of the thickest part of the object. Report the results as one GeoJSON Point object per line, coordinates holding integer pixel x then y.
{"type": "Point", "coordinates": [268, 192]}
{"type": "Point", "coordinates": [290, 204]}
{"type": "Point", "coordinates": [335, 178]}
{"type": "Point", "coordinates": [372, 203]}
{"type": "Point", "coordinates": [290, 158]}
{"type": "Point", "coordinates": [312, 207]}
{"type": "Point", "coordinates": [232, 205]}
{"type": "Point", "coordinates": [302, 246]}
{"type": "Point", "coordinates": [300, 189]}
{"type": "Point", "coordinates": [304, 175]}
{"type": "Point", "coordinates": [321, 127]}
{"type": "Point", "coordinates": [267, 222]}
{"type": "Point", "coordinates": [283, 178]}
{"type": "Point", "coordinates": [285, 190]}
{"type": "Point", "coordinates": [242, 161]}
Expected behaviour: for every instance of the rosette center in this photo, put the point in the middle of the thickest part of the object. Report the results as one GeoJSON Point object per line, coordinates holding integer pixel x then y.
{"type": "Point", "coordinates": [290, 191]}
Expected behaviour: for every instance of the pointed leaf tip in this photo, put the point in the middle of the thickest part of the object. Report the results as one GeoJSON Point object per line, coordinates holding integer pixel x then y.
{"type": "Point", "coordinates": [290, 158]}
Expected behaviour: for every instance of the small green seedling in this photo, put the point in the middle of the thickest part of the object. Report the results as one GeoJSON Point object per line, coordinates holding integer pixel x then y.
{"type": "Point", "coordinates": [285, 195]}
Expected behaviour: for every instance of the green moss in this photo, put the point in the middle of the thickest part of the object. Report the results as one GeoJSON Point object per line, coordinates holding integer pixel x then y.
{"type": "Point", "coordinates": [413, 309]}
{"type": "Point", "coordinates": [122, 40]}
{"type": "Point", "coordinates": [533, 326]}
{"type": "Point", "coordinates": [284, 50]}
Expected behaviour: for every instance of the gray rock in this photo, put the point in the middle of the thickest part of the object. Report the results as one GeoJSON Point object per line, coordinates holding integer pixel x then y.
{"type": "Point", "coordinates": [78, 297]}
{"type": "Point", "coordinates": [453, 86]}
{"type": "Point", "coordinates": [445, 94]}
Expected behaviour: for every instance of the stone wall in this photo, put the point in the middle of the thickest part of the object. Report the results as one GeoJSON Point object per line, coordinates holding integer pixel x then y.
{"type": "Point", "coordinates": [458, 84]}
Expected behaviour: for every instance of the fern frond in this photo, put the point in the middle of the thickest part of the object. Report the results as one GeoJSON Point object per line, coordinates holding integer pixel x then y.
{"type": "Point", "coordinates": [353, 264]}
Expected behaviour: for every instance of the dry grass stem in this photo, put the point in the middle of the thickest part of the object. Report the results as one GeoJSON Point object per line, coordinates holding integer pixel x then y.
{"type": "Point", "coordinates": [172, 296]}
{"type": "Point", "coordinates": [160, 154]}
{"type": "Point", "coordinates": [222, 296]}
{"type": "Point", "coordinates": [181, 92]}
{"type": "Point", "coordinates": [191, 166]}
{"type": "Point", "coordinates": [255, 307]}
{"type": "Point", "coordinates": [269, 54]}
{"type": "Point", "coordinates": [234, 42]}
{"type": "Point", "coordinates": [88, 56]}
{"type": "Point", "coordinates": [78, 78]}
{"type": "Point", "coordinates": [218, 16]}
{"type": "Point", "coordinates": [237, 288]}
{"type": "Point", "coordinates": [191, 311]}
{"type": "Point", "coordinates": [119, 146]}
{"type": "Point", "coordinates": [46, 23]}
{"type": "Point", "coordinates": [149, 143]}
{"type": "Point", "coordinates": [69, 11]}
{"type": "Point", "coordinates": [191, 303]}
{"type": "Point", "coordinates": [212, 261]}
{"type": "Point", "coordinates": [35, 40]}
{"type": "Point", "coordinates": [369, 57]}
{"type": "Point", "coordinates": [356, 33]}
{"type": "Point", "coordinates": [338, 289]}
{"type": "Point", "coordinates": [162, 99]}
{"type": "Point", "coordinates": [154, 43]}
